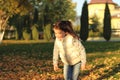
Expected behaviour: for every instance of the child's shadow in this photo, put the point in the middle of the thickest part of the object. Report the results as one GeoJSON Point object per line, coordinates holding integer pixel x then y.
{"type": "Point", "coordinates": [114, 69]}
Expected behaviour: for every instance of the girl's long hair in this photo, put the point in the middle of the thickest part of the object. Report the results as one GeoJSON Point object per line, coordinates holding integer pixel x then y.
{"type": "Point", "coordinates": [65, 26]}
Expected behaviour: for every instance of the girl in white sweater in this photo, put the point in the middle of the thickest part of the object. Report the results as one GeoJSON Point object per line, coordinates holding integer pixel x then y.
{"type": "Point", "coordinates": [68, 46]}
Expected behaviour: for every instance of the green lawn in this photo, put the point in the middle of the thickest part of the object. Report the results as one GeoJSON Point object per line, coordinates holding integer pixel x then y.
{"type": "Point", "coordinates": [30, 60]}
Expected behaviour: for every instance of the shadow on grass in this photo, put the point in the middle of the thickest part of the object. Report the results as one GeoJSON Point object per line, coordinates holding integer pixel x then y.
{"type": "Point", "coordinates": [94, 47]}
{"type": "Point", "coordinates": [114, 69]}
{"type": "Point", "coordinates": [86, 73]}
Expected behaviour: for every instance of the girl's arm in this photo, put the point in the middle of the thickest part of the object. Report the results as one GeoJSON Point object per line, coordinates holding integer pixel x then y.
{"type": "Point", "coordinates": [83, 55]}
{"type": "Point", "coordinates": [83, 59]}
{"type": "Point", "coordinates": [55, 56]}
{"type": "Point", "coordinates": [81, 49]}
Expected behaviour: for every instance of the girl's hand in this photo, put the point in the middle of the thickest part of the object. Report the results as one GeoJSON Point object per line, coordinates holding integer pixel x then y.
{"type": "Point", "coordinates": [56, 68]}
{"type": "Point", "coordinates": [83, 67]}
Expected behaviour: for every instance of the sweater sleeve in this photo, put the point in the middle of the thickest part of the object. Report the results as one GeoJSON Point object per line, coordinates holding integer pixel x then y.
{"type": "Point", "coordinates": [55, 54]}
{"type": "Point", "coordinates": [77, 43]}
{"type": "Point", "coordinates": [83, 56]}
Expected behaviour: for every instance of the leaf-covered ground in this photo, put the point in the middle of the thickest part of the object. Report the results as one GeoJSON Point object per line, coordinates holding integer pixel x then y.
{"type": "Point", "coordinates": [22, 68]}
{"type": "Point", "coordinates": [34, 62]}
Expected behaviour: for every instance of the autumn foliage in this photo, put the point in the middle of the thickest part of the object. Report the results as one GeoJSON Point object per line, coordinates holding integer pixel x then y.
{"type": "Point", "coordinates": [34, 62]}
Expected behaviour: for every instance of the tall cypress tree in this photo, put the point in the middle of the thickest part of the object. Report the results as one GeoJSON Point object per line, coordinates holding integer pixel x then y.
{"type": "Point", "coordinates": [84, 22]}
{"type": "Point", "coordinates": [35, 19]}
{"type": "Point", "coordinates": [107, 23]}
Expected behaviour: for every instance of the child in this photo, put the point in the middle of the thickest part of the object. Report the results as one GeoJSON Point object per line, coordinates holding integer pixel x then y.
{"type": "Point", "coordinates": [68, 46]}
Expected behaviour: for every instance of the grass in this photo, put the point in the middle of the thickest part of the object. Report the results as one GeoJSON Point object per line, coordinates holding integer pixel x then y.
{"type": "Point", "coordinates": [27, 60]}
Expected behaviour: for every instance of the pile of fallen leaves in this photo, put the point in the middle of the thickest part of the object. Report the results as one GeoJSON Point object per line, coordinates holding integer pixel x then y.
{"type": "Point", "coordinates": [22, 68]}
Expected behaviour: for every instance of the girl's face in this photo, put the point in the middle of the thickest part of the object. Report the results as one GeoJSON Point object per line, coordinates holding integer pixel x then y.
{"type": "Point", "coordinates": [59, 33]}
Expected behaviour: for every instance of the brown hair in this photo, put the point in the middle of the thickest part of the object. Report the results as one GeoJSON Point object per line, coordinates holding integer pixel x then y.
{"type": "Point", "coordinates": [65, 26]}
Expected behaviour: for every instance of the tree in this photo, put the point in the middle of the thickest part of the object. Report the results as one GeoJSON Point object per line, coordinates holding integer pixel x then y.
{"type": "Point", "coordinates": [107, 23]}
{"type": "Point", "coordinates": [35, 19]}
{"type": "Point", "coordinates": [14, 11]}
{"type": "Point", "coordinates": [34, 27]}
{"type": "Point", "coordinates": [94, 23]}
{"type": "Point", "coordinates": [12, 7]}
{"type": "Point", "coordinates": [52, 11]}
{"type": "Point", "coordinates": [47, 32]}
{"type": "Point", "coordinates": [49, 11]}
{"type": "Point", "coordinates": [55, 10]}
{"type": "Point", "coordinates": [35, 32]}
{"type": "Point", "coordinates": [84, 22]}
{"type": "Point", "coordinates": [18, 22]}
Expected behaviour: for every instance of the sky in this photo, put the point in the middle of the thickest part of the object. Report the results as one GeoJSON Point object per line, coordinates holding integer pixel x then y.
{"type": "Point", "coordinates": [80, 4]}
